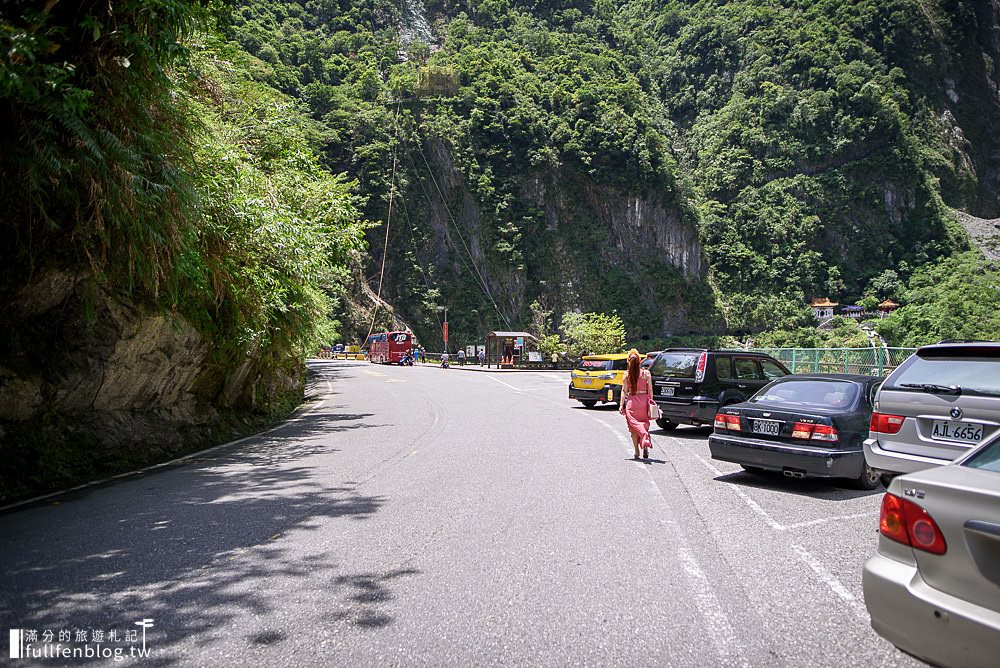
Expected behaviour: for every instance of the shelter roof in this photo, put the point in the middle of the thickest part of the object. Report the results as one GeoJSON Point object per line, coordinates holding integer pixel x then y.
{"type": "Point", "coordinates": [510, 335]}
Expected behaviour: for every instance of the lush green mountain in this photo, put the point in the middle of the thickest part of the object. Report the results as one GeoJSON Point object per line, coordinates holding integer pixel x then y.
{"type": "Point", "coordinates": [172, 244]}
{"type": "Point", "coordinates": [698, 166]}
{"type": "Point", "coordinates": [185, 184]}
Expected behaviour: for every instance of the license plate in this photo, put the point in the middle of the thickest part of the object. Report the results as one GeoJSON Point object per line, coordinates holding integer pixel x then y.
{"type": "Point", "coordinates": [667, 391]}
{"type": "Point", "coordinates": [767, 427]}
{"type": "Point", "coordinates": [950, 430]}
{"type": "Point", "coordinates": [587, 381]}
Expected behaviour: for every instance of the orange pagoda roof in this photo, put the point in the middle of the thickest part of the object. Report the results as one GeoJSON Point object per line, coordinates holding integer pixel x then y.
{"type": "Point", "coordinates": [823, 302]}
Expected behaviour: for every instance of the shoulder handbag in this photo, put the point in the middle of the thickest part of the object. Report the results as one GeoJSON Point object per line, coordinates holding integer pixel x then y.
{"type": "Point", "coordinates": [654, 410]}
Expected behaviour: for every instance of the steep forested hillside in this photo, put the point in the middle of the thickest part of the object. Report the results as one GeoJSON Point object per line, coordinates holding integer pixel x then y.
{"type": "Point", "coordinates": [172, 245]}
{"type": "Point", "coordinates": [185, 184]}
{"type": "Point", "coordinates": [697, 166]}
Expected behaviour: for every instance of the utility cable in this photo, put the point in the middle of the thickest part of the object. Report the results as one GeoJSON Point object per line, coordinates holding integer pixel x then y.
{"type": "Point", "coordinates": [388, 220]}
{"type": "Point", "coordinates": [472, 266]}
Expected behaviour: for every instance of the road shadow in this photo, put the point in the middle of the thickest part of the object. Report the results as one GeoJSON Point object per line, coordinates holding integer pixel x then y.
{"type": "Point", "coordinates": [829, 489]}
{"type": "Point", "coordinates": [197, 547]}
{"type": "Point", "coordinates": [686, 433]}
{"type": "Point", "coordinates": [645, 461]}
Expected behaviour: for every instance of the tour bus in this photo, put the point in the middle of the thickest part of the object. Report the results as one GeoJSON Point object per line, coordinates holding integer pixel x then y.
{"type": "Point", "coordinates": [389, 347]}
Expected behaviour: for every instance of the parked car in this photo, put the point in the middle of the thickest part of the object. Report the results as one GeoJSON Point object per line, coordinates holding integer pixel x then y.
{"type": "Point", "coordinates": [804, 425]}
{"type": "Point", "coordinates": [649, 359]}
{"type": "Point", "coordinates": [690, 385]}
{"type": "Point", "coordinates": [598, 378]}
{"type": "Point", "coordinates": [939, 403]}
{"type": "Point", "coordinates": [933, 587]}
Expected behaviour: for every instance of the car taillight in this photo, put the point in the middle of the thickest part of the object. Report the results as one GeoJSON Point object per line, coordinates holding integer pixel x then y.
{"type": "Point", "coordinates": [816, 432]}
{"type": "Point", "coordinates": [907, 523]}
{"type": "Point", "coordinates": [802, 430]}
{"type": "Point", "coordinates": [730, 422]}
{"type": "Point", "coordinates": [822, 432]}
{"type": "Point", "coordinates": [884, 423]}
{"type": "Point", "coordinates": [699, 372]}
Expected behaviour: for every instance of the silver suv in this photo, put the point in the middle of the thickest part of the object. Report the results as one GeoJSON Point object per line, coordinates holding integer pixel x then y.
{"type": "Point", "coordinates": [939, 403]}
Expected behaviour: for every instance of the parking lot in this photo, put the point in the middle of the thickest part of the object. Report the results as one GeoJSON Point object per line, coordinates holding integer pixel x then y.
{"type": "Point", "coordinates": [421, 516]}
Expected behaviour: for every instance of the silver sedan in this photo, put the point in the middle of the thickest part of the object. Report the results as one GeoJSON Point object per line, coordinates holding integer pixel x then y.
{"type": "Point", "coordinates": [933, 587]}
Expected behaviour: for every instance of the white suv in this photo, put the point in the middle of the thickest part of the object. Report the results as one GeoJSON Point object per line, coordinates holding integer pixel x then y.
{"type": "Point", "coordinates": [939, 403]}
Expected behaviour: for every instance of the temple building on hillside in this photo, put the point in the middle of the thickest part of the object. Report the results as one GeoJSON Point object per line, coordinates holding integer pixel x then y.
{"type": "Point", "coordinates": [887, 307]}
{"type": "Point", "coordinates": [823, 308]}
{"type": "Point", "coordinates": [855, 312]}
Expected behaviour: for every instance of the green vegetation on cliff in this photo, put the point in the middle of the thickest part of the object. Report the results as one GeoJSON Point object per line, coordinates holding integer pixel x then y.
{"type": "Point", "coordinates": [813, 145]}
{"type": "Point", "coordinates": [168, 226]}
{"type": "Point", "coordinates": [141, 150]}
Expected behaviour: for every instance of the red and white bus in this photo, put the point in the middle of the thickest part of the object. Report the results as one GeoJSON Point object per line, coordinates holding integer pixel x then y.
{"type": "Point", "coordinates": [389, 347]}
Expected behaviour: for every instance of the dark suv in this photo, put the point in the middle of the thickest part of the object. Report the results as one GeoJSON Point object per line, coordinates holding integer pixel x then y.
{"type": "Point", "coordinates": [691, 384]}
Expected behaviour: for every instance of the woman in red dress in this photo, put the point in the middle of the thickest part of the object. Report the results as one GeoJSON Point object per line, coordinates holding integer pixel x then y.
{"type": "Point", "coordinates": [637, 395]}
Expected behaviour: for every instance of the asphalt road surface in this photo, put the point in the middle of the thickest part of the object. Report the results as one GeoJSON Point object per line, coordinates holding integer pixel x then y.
{"type": "Point", "coordinates": [421, 516]}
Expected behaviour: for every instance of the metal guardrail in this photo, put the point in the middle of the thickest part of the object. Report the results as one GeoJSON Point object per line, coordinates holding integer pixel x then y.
{"type": "Point", "coordinates": [867, 361]}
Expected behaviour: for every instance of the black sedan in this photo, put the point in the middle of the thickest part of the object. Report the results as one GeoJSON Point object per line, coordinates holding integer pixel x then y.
{"type": "Point", "coordinates": [803, 425]}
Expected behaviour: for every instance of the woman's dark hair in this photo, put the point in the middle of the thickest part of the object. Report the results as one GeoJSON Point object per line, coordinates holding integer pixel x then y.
{"type": "Point", "coordinates": [633, 373]}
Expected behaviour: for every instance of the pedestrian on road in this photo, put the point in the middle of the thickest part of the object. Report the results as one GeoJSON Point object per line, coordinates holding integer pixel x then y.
{"type": "Point", "coordinates": [637, 395]}
{"type": "Point", "coordinates": [482, 357]}
{"type": "Point", "coordinates": [461, 357]}
{"type": "Point", "coordinates": [416, 355]}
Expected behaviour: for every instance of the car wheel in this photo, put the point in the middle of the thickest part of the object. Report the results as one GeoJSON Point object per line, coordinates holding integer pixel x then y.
{"type": "Point", "coordinates": [870, 478]}
{"type": "Point", "coordinates": [588, 403]}
{"type": "Point", "coordinates": [886, 478]}
{"type": "Point", "coordinates": [756, 470]}
{"type": "Point", "coordinates": [665, 424]}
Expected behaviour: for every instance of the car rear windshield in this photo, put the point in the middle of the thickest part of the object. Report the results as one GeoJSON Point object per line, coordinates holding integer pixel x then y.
{"type": "Point", "coordinates": [976, 371]}
{"type": "Point", "coordinates": [674, 365]}
{"type": "Point", "coordinates": [812, 393]}
{"type": "Point", "coordinates": [594, 365]}
{"type": "Point", "coordinates": [987, 459]}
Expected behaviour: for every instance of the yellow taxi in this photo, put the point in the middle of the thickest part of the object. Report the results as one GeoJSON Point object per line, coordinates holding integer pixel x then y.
{"type": "Point", "coordinates": [598, 378]}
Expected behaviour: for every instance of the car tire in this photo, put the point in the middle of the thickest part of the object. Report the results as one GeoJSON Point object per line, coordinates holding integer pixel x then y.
{"type": "Point", "coordinates": [588, 403]}
{"type": "Point", "coordinates": [886, 478]}
{"type": "Point", "coordinates": [870, 478]}
{"type": "Point", "coordinates": [665, 424]}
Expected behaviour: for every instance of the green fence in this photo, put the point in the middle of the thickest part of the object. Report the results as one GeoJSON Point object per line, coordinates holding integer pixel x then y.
{"type": "Point", "coordinates": [867, 361]}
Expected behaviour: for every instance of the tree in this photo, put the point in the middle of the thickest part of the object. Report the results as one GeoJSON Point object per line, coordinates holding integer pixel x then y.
{"type": "Point", "coordinates": [541, 320]}
{"type": "Point", "coordinates": [593, 333]}
{"type": "Point", "coordinates": [887, 285]}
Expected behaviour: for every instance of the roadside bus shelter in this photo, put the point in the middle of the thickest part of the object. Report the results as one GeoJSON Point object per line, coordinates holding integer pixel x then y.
{"type": "Point", "coordinates": [508, 348]}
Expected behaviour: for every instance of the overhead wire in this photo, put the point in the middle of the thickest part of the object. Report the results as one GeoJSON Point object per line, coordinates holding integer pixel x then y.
{"type": "Point", "coordinates": [471, 263]}
{"type": "Point", "coordinates": [388, 220]}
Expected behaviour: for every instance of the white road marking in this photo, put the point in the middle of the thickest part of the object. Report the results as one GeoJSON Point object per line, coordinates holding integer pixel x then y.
{"type": "Point", "coordinates": [831, 581]}
{"type": "Point", "coordinates": [516, 389]}
{"type": "Point", "coordinates": [616, 432]}
{"type": "Point", "coordinates": [750, 503]}
{"type": "Point", "coordinates": [824, 520]}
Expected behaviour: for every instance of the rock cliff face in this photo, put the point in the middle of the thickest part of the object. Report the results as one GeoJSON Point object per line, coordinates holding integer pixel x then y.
{"type": "Point", "coordinates": [578, 246]}
{"type": "Point", "coordinates": [970, 113]}
{"type": "Point", "coordinates": [117, 387]}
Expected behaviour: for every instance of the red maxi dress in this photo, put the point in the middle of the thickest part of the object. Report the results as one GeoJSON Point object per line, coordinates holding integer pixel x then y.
{"type": "Point", "coordinates": [637, 408]}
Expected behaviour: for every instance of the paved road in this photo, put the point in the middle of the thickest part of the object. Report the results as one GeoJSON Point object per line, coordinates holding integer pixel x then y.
{"type": "Point", "coordinates": [418, 516]}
